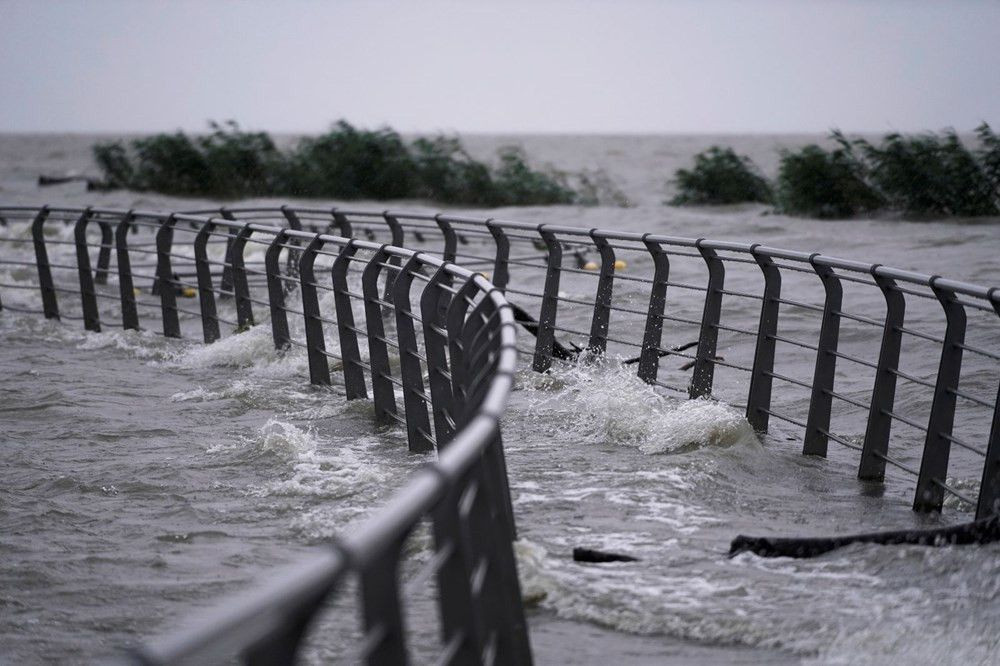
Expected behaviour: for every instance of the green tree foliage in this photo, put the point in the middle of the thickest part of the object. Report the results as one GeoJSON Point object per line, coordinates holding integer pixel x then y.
{"type": "Point", "coordinates": [818, 183]}
{"type": "Point", "coordinates": [922, 175]}
{"type": "Point", "coordinates": [720, 176]}
{"type": "Point", "coordinates": [344, 163]}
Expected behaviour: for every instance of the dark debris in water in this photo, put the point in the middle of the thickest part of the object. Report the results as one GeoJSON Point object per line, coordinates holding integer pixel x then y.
{"type": "Point", "coordinates": [600, 557]}
{"type": "Point", "coordinates": [984, 531]}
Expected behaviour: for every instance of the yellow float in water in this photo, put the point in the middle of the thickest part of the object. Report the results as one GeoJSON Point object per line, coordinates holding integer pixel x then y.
{"type": "Point", "coordinates": [590, 266]}
{"type": "Point", "coordinates": [620, 264]}
{"type": "Point", "coordinates": [189, 292]}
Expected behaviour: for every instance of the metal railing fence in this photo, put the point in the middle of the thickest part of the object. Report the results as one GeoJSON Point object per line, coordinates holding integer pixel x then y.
{"type": "Point", "coordinates": [892, 366]}
{"type": "Point", "coordinates": [418, 313]}
{"type": "Point", "coordinates": [920, 317]}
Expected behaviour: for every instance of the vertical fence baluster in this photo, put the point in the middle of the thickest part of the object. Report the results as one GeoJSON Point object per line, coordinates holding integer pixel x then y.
{"type": "Point", "coordinates": [396, 231]}
{"type": "Point", "coordinates": [241, 287]}
{"type": "Point", "coordinates": [759, 395]}
{"type": "Point", "coordinates": [879, 427]}
{"type": "Point", "coordinates": [456, 351]}
{"type": "Point", "coordinates": [450, 239]}
{"type": "Point", "coordinates": [550, 302]}
{"type": "Point", "coordinates": [126, 286]}
{"type": "Point", "coordinates": [50, 304]}
{"type": "Point", "coordinates": [704, 364]}
{"type": "Point", "coordinates": [381, 607]}
{"type": "Point", "coordinates": [500, 593]}
{"type": "Point", "coordinates": [319, 367]}
{"type": "Point", "coordinates": [276, 292]}
{"type": "Point", "coordinates": [649, 357]}
{"type": "Point", "coordinates": [226, 286]}
{"type": "Point", "coordinates": [435, 345]}
{"type": "Point", "coordinates": [501, 270]}
{"type": "Point", "coordinates": [354, 372]}
{"type": "Point", "coordinates": [378, 353]}
{"type": "Point", "coordinates": [206, 291]}
{"type": "Point", "coordinates": [460, 614]}
{"type": "Point", "coordinates": [600, 321]}
{"type": "Point", "coordinates": [294, 255]}
{"type": "Point", "coordinates": [821, 401]}
{"type": "Point", "coordinates": [104, 253]}
{"type": "Point", "coordinates": [88, 293]}
{"type": "Point", "coordinates": [418, 425]}
{"type": "Point", "coordinates": [165, 278]}
{"type": "Point", "coordinates": [342, 224]}
{"type": "Point", "coordinates": [937, 446]}
{"type": "Point", "coordinates": [989, 489]}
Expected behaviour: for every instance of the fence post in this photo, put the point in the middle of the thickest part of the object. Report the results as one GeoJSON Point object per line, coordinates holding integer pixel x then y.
{"type": "Point", "coordinates": [450, 239]}
{"type": "Point", "coordinates": [821, 401]}
{"type": "Point", "coordinates": [704, 364]}
{"type": "Point", "coordinates": [126, 286]}
{"type": "Point", "coordinates": [165, 278]}
{"type": "Point", "coordinates": [276, 291]}
{"type": "Point", "coordinates": [501, 270]}
{"type": "Point", "coordinates": [354, 373]}
{"type": "Point", "coordinates": [206, 292]}
{"type": "Point", "coordinates": [378, 353]}
{"type": "Point", "coordinates": [500, 595]}
{"type": "Point", "coordinates": [104, 253]}
{"type": "Point", "coordinates": [88, 294]}
{"type": "Point", "coordinates": [241, 288]}
{"type": "Point", "coordinates": [381, 608]}
{"type": "Point", "coordinates": [50, 304]}
{"type": "Point", "coordinates": [418, 425]}
{"type": "Point", "coordinates": [649, 357]}
{"type": "Point", "coordinates": [759, 395]}
{"type": "Point", "coordinates": [456, 350]}
{"type": "Point", "coordinates": [435, 344]}
{"type": "Point", "coordinates": [600, 321]}
{"type": "Point", "coordinates": [929, 495]}
{"type": "Point", "coordinates": [876, 444]}
{"type": "Point", "coordinates": [457, 600]}
{"type": "Point", "coordinates": [226, 286]}
{"type": "Point", "coordinates": [342, 224]}
{"type": "Point", "coordinates": [550, 302]}
{"type": "Point", "coordinates": [989, 489]}
{"type": "Point", "coordinates": [319, 368]}
{"type": "Point", "coordinates": [396, 229]}
{"type": "Point", "coordinates": [294, 255]}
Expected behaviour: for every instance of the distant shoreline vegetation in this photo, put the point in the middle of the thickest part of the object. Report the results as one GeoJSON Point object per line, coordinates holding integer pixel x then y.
{"type": "Point", "coordinates": [344, 163]}
{"type": "Point", "coordinates": [918, 176]}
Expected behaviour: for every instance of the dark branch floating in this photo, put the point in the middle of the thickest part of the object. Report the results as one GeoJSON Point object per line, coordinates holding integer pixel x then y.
{"type": "Point", "coordinates": [457, 360]}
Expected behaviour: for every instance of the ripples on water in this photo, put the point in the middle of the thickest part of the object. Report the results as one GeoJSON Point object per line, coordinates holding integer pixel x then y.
{"type": "Point", "coordinates": [144, 478]}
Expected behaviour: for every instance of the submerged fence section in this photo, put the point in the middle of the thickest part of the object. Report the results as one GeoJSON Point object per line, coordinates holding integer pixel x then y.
{"type": "Point", "coordinates": [899, 370]}
{"type": "Point", "coordinates": [416, 314]}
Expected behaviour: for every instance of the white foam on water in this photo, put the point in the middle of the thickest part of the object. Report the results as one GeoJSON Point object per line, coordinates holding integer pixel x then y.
{"type": "Point", "coordinates": [611, 405]}
{"type": "Point", "coordinates": [197, 394]}
{"type": "Point", "coordinates": [143, 345]}
{"type": "Point", "coordinates": [315, 466]}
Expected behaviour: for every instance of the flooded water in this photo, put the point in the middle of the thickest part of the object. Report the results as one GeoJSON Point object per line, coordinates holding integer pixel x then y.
{"type": "Point", "coordinates": [144, 478]}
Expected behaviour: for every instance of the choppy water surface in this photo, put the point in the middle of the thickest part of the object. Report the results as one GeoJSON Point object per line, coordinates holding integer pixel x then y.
{"type": "Point", "coordinates": [143, 478]}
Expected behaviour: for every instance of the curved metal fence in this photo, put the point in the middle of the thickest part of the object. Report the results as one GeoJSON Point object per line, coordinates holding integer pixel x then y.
{"type": "Point", "coordinates": [899, 370]}
{"type": "Point", "coordinates": [417, 312]}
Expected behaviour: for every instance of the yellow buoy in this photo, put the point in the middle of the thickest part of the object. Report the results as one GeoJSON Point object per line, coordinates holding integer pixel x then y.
{"type": "Point", "coordinates": [188, 292]}
{"type": "Point", "coordinates": [620, 264]}
{"type": "Point", "coordinates": [590, 266]}
{"type": "Point", "coordinates": [136, 292]}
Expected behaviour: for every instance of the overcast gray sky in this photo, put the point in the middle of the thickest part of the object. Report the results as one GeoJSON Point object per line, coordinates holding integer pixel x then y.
{"type": "Point", "coordinates": [625, 66]}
